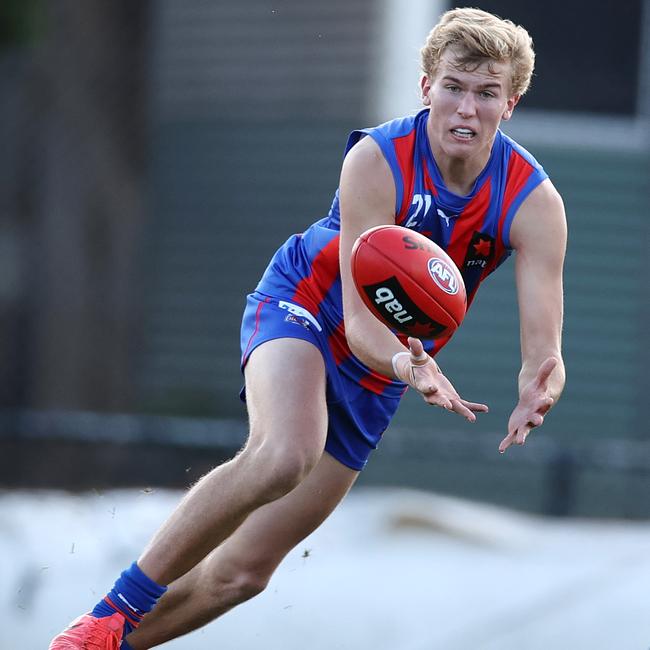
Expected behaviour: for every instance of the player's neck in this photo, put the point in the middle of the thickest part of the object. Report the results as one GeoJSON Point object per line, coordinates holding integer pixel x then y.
{"type": "Point", "coordinates": [460, 174]}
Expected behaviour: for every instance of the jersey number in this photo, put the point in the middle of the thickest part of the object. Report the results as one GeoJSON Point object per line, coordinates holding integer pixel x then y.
{"type": "Point", "coordinates": [420, 201]}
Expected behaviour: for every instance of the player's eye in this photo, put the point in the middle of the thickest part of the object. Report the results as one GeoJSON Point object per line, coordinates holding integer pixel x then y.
{"type": "Point", "coordinates": [486, 94]}
{"type": "Point", "coordinates": [452, 88]}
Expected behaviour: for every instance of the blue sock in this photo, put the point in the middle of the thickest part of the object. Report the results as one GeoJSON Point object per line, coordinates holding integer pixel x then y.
{"type": "Point", "coordinates": [133, 595]}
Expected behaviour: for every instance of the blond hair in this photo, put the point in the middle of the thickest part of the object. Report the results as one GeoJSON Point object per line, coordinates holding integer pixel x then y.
{"type": "Point", "coordinates": [477, 35]}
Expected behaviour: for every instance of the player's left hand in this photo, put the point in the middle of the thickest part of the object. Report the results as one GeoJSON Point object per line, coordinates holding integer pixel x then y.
{"type": "Point", "coordinates": [534, 403]}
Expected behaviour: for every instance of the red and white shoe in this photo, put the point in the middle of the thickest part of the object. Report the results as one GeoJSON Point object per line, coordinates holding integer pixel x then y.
{"type": "Point", "coordinates": [90, 633]}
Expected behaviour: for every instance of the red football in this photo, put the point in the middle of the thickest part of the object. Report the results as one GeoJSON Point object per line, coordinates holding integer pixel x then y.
{"type": "Point", "coordinates": [408, 282]}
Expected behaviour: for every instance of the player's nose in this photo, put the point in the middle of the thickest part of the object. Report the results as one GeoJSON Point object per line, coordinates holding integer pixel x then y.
{"type": "Point", "coordinates": [466, 105]}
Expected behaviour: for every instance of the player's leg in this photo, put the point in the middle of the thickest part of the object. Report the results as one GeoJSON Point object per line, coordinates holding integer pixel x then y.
{"type": "Point", "coordinates": [285, 442]}
{"type": "Point", "coordinates": [241, 567]}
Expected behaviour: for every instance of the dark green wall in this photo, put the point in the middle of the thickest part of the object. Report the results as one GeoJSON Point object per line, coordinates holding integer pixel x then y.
{"type": "Point", "coordinates": [224, 196]}
{"type": "Point", "coordinates": [606, 337]}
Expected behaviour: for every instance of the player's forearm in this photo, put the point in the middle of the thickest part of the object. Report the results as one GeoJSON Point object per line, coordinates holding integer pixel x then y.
{"type": "Point", "coordinates": [372, 343]}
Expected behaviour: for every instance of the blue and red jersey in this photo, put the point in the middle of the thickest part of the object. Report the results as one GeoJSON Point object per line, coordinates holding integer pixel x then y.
{"type": "Point", "coordinates": [473, 229]}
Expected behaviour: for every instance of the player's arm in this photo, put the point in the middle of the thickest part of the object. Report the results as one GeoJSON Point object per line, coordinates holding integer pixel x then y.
{"type": "Point", "coordinates": [367, 199]}
{"type": "Point", "coordinates": [538, 235]}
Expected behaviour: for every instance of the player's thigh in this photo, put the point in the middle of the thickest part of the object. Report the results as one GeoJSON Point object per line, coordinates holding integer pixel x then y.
{"type": "Point", "coordinates": [286, 394]}
{"type": "Point", "coordinates": [270, 532]}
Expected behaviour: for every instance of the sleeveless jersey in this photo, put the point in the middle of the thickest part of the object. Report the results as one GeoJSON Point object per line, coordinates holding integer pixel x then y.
{"type": "Point", "coordinates": [473, 229]}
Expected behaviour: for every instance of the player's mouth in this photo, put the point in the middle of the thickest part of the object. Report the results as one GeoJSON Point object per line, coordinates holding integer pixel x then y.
{"type": "Point", "coordinates": [463, 133]}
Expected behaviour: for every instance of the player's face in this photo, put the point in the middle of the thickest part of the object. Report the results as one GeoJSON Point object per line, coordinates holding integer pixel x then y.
{"type": "Point", "coordinates": [467, 107]}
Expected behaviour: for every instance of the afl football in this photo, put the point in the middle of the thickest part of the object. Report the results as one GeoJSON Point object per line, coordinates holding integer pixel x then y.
{"type": "Point", "coordinates": [408, 282]}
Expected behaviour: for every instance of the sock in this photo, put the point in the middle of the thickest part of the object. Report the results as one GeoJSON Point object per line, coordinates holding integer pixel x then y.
{"type": "Point", "coordinates": [133, 595]}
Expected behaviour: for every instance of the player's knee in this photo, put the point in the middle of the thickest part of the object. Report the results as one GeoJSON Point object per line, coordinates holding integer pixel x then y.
{"type": "Point", "coordinates": [239, 584]}
{"type": "Point", "coordinates": [281, 467]}
{"type": "Point", "coordinates": [250, 583]}
{"type": "Point", "coordinates": [286, 469]}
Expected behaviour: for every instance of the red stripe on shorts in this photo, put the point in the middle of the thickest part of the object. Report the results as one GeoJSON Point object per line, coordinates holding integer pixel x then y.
{"type": "Point", "coordinates": [375, 382]}
{"type": "Point", "coordinates": [339, 345]}
{"type": "Point", "coordinates": [257, 327]}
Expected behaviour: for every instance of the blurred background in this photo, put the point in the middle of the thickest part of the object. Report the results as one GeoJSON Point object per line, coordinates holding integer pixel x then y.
{"type": "Point", "coordinates": [155, 154]}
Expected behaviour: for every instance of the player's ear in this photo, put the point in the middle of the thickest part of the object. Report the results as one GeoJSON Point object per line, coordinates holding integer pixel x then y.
{"type": "Point", "coordinates": [425, 88]}
{"type": "Point", "coordinates": [510, 107]}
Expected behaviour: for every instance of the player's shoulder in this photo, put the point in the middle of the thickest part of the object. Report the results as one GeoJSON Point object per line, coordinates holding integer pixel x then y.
{"type": "Point", "coordinates": [541, 216]}
{"type": "Point", "coordinates": [366, 152]}
{"type": "Point", "coordinates": [365, 168]}
{"type": "Point", "coordinates": [372, 145]}
{"type": "Point", "coordinates": [545, 195]}
{"type": "Point", "coordinates": [385, 133]}
{"type": "Point", "coordinates": [510, 146]}
{"type": "Point", "coordinates": [401, 126]}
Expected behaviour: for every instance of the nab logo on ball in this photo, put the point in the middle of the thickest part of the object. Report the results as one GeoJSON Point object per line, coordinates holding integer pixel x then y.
{"type": "Point", "coordinates": [395, 307]}
{"type": "Point", "coordinates": [443, 275]}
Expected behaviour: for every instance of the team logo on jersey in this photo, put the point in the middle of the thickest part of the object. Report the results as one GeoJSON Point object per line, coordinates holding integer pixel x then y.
{"type": "Point", "coordinates": [394, 305]}
{"type": "Point", "coordinates": [297, 320]}
{"type": "Point", "coordinates": [446, 217]}
{"type": "Point", "coordinates": [480, 251]}
{"type": "Point", "coordinates": [443, 275]}
{"type": "Point", "coordinates": [299, 315]}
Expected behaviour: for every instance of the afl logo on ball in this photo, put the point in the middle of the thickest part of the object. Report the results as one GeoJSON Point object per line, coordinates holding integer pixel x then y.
{"type": "Point", "coordinates": [443, 275]}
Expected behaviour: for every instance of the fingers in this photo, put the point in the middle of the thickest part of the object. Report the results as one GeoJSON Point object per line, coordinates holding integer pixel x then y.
{"type": "Point", "coordinates": [418, 356]}
{"type": "Point", "coordinates": [468, 409]}
{"type": "Point", "coordinates": [434, 387]}
{"type": "Point", "coordinates": [545, 405]}
{"type": "Point", "coordinates": [522, 434]}
{"type": "Point", "coordinates": [433, 397]}
{"type": "Point", "coordinates": [456, 405]}
{"type": "Point", "coordinates": [545, 370]}
{"type": "Point", "coordinates": [515, 438]}
{"type": "Point", "coordinates": [506, 442]}
{"type": "Point", "coordinates": [518, 436]}
{"type": "Point", "coordinates": [476, 407]}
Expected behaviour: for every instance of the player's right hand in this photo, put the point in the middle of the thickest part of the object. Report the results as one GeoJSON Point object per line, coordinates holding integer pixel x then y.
{"type": "Point", "coordinates": [421, 372]}
{"type": "Point", "coordinates": [534, 403]}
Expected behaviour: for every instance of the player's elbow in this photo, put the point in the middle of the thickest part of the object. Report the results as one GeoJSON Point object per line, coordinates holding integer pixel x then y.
{"type": "Point", "coordinates": [354, 336]}
{"type": "Point", "coordinates": [365, 337]}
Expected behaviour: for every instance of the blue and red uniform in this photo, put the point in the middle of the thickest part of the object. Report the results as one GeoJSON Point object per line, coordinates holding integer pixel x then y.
{"type": "Point", "coordinates": [299, 295]}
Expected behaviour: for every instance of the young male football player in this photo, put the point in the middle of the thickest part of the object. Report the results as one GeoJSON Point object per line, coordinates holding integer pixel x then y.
{"type": "Point", "coordinates": [323, 377]}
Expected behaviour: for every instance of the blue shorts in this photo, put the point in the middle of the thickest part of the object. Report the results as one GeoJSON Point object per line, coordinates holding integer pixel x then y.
{"type": "Point", "coordinates": [357, 416]}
